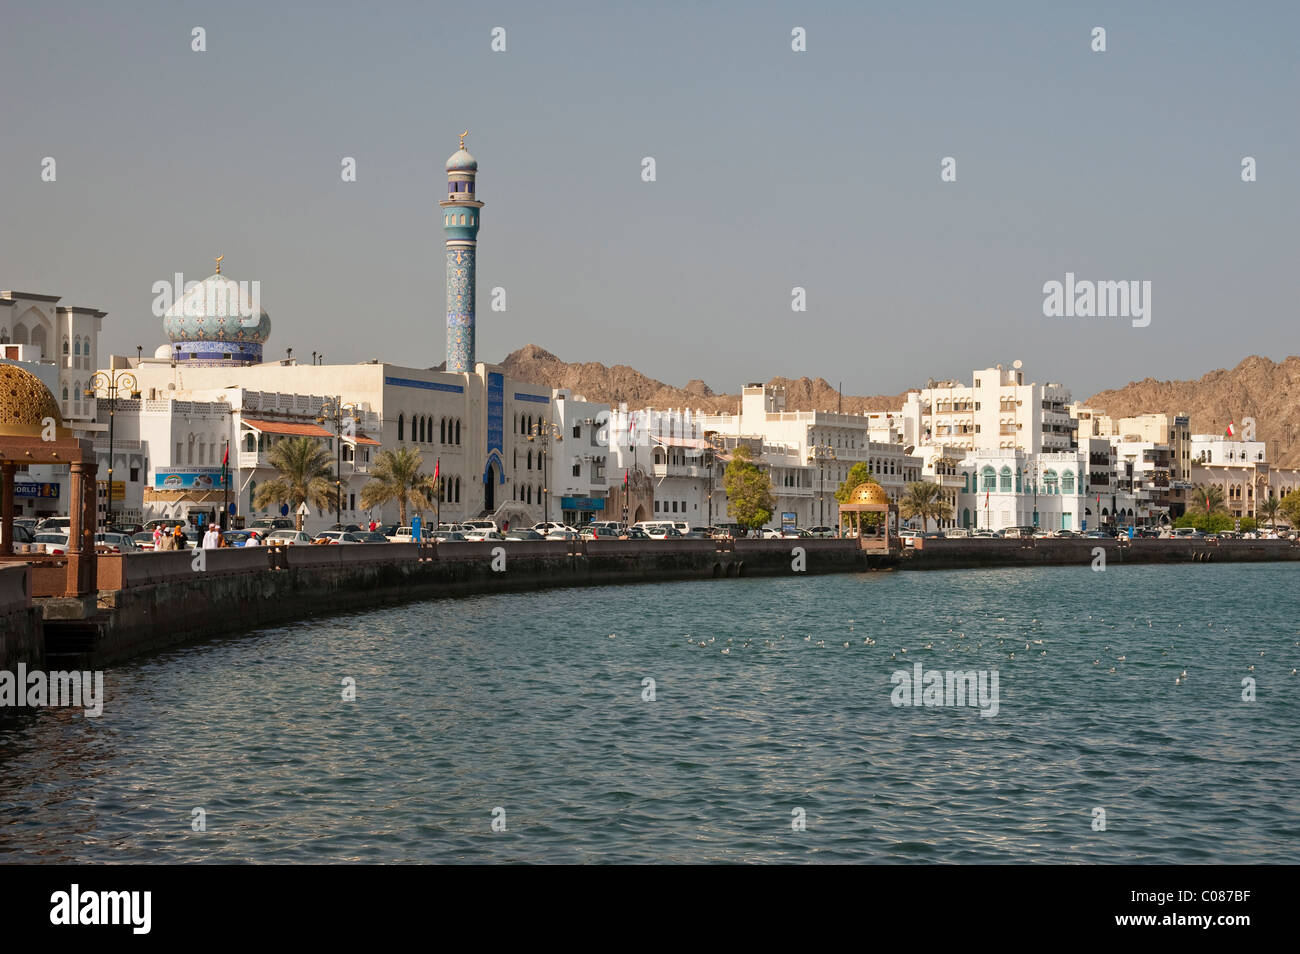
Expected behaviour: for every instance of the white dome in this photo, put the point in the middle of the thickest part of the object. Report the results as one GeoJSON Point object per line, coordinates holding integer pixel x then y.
{"type": "Point", "coordinates": [163, 351]}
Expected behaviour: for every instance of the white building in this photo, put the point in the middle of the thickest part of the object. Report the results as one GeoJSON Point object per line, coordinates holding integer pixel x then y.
{"type": "Point", "coordinates": [999, 411]}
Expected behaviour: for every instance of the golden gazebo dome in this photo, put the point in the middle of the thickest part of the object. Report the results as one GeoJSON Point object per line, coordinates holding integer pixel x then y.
{"type": "Point", "coordinates": [869, 493]}
{"type": "Point", "coordinates": [25, 404]}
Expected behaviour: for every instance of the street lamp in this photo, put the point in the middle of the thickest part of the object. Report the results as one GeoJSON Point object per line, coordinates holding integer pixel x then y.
{"type": "Point", "coordinates": [344, 418]}
{"type": "Point", "coordinates": [1025, 472]}
{"type": "Point", "coordinates": [821, 454]}
{"type": "Point", "coordinates": [110, 382]}
{"type": "Point", "coordinates": [544, 432]}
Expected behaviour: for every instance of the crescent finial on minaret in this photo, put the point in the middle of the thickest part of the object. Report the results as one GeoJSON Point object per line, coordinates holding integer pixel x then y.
{"type": "Point", "coordinates": [462, 138]}
{"type": "Point", "coordinates": [218, 261]}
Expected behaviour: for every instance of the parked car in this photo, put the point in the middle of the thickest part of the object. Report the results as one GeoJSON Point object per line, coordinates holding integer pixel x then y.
{"type": "Point", "coordinates": [636, 533]}
{"type": "Point", "coordinates": [405, 535]}
{"type": "Point", "coordinates": [545, 528]}
{"type": "Point", "coordinates": [480, 534]}
{"type": "Point", "coordinates": [481, 524]}
{"type": "Point", "coordinates": [54, 525]}
{"type": "Point", "coordinates": [564, 535]}
{"type": "Point", "coordinates": [935, 535]}
{"type": "Point", "coordinates": [523, 534]}
{"type": "Point", "coordinates": [267, 524]}
{"type": "Point", "coordinates": [599, 532]}
{"type": "Point", "coordinates": [336, 536]}
{"type": "Point", "coordinates": [237, 538]}
{"type": "Point", "coordinates": [983, 534]}
{"type": "Point", "coordinates": [130, 529]}
{"type": "Point", "coordinates": [822, 532]}
{"type": "Point", "coordinates": [115, 543]}
{"type": "Point", "coordinates": [143, 539]}
{"type": "Point", "coordinates": [449, 536]}
{"type": "Point", "coordinates": [365, 536]}
{"type": "Point", "coordinates": [351, 527]}
{"type": "Point", "coordinates": [21, 534]}
{"type": "Point", "coordinates": [663, 532]}
{"type": "Point", "coordinates": [908, 537]}
{"type": "Point", "coordinates": [51, 543]}
{"type": "Point", "coordinates": [770, 533]}
{"type": "Point", "coordinates": [284, 538]}
{"type": "Point", "coordinates": [957, 533]}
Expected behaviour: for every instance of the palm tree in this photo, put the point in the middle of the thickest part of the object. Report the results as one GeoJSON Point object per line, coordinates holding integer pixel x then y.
{"type": "Point", "coordinates": [305, 476]}
{"type": "Point", "coordinates": [924, 500]}
{"type": "Point", "coordinates": [1268, 508]}
{"type": "Point", "coordinates": [397, 476]}
{"type": "Point", "coordinates": [1207, 499]}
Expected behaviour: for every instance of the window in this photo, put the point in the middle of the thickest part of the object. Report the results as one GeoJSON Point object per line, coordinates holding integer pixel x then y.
{"type": "Point", "coordinates": [1067, 482]}
{"type": "Point", "coordinates": [442, 431]}
{"type": "Point", "coordinates": [457, 490]}
{"type": "Point", "coordinates": [989, 479]}
{"type": "Point", "coordinates": [401, 418]}
{"type": "Point", "coordinates": [577, 470]}
{"type": "Point", "coordinates": [457, 431]}
{"type": "Point", "coordinates": [577, 430]}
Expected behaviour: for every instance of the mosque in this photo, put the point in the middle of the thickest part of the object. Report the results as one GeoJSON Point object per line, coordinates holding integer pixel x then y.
{"type": "Point", "coordinates": [210, 384]}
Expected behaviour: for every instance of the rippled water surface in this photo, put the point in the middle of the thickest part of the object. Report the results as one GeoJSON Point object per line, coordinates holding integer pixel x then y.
{"type": "Point", "coordinates": [533, 703]}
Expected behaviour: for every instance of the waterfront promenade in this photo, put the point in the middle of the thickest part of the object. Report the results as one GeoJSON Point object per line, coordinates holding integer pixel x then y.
{"type": "Point", "coordinates": [149, 601]}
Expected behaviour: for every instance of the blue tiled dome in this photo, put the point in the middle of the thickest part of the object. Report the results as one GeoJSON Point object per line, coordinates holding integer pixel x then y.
{"type": "Point", "coordinates": [462, 161]}
{"type": "Point", "coordinates": [215, 310]}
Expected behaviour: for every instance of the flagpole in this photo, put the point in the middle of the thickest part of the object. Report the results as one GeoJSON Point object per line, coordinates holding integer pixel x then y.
{"type": "Point", "coordinates": [225, 487]}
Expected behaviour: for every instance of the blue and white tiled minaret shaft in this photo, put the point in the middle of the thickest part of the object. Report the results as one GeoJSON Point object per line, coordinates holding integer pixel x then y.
{"type": "Point", "coordinates": [460, 215]}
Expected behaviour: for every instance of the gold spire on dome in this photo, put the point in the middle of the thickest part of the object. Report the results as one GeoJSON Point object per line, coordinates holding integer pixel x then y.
{"type": "Point", "coordinates": [218, 261]}
{"type": "Point", "coordinates": [462, 138]}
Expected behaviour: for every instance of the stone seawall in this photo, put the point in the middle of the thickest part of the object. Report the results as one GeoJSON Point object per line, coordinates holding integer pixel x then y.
{"type": "Point", "coordinates": [983, 552]}
{"type": "Point", "coordinates": [162, 599]}
{"type": "Point", "coordinates": [21, 638]}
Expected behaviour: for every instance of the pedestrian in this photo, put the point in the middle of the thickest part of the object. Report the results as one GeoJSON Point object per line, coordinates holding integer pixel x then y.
{"type": "Point", "coordinates": [222, 542]}
{"type": "Point", "coordinates": [178, 539]}
{"type": "Point", "coordinates": [252, 540]}
{"type": "Point", "coordinates": [157, 536]}
{"type": "Point", "coordinates": [372, 525]}
{"type": "Point", "coordinates": [211, 538]}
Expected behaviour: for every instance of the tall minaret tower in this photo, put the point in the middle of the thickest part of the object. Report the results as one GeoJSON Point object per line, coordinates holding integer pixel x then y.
{"type": "Point", "coordinates": [460, 214]}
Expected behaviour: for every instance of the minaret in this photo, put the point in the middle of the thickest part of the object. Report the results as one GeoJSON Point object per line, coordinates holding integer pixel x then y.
{"type": "Point", "coordinates": [460, 214]}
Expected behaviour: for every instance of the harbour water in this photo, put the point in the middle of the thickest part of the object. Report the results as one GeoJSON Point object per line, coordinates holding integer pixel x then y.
{"type": "Point", "coordinates": [533, 710]}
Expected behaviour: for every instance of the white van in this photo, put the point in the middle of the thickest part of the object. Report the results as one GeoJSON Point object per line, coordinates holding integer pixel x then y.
{"type": "Point", "coordinates": [468, 525]}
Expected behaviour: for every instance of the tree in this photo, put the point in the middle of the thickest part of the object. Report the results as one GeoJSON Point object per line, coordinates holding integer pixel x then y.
{"type": "Point", "coordinates": [924, 500]}
{"type": "Point", "coordinates": [304, 476]}
{"type": "Point", "coordinates": [1206, 522]}
{"type": "Point", "coordinates": [396, 476]}
{"type": "Point", "coordinates": [859, 473]}
{"type": "Point", "coordinates": [748, 489]}
{"type": "Point", "coordinates": [1268, 510]}
{"type": "Point", "coordinates": [1206, 498]}
{"type": "Point", "coordinates": [1290, 508]}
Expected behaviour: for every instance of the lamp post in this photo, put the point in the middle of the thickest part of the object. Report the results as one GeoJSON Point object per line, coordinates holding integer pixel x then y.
{"type": "Point", "coordinates": [543, 432]}
{"type": "Point", "coordinates": [821, 454]}
{"type": "Point", "coordinates": [1025, 471]}
{"type": "Point", "coordinates": [110, 382]}
{"type": "Point", "coordinates": [343, 416]}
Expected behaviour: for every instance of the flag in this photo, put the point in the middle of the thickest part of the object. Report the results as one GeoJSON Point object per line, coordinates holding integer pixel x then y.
{"type": "Point", "coordinates": [625, 477]}
{"type": "Point", "coordinates": [1231, 429]}
{"type": "Point", "coordinates": [437, 468]}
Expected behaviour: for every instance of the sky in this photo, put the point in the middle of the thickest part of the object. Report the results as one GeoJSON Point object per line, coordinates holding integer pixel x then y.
{"type": "Point", "coordinates": [774, 170]}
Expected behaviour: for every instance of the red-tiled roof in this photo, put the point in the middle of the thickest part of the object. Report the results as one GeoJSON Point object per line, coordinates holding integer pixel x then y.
{"type": "Point", "coordinates": [287, 427]}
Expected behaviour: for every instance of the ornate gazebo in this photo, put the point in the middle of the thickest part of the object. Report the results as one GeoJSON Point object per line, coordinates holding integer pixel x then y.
{"type": "Point", "coordinates": [32, 432]}
{"type": "Point", "coordinates": [871, 498]}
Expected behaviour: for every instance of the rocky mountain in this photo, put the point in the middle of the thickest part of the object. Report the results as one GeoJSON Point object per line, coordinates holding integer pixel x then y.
{"type": "Point", "coordinates": [612, 385]}
{"type": "Point", "coordinates": [1268, 391]}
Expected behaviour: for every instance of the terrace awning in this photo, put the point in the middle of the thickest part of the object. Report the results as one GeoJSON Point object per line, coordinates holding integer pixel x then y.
{"type": "Point", "coordinates": [290, 428]}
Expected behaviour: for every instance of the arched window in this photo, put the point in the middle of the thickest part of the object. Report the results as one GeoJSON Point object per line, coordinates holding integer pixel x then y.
{"type": "Point", "coordinates": [990, 480]}
{"type": "Point", "coordinates": [530, 494]}
{"type": "Point", "coordinates": [1067, 482]}
{"type": "Point", "coordinates": [401, 419]}
{"type": "Point", "coordinates": [1050, 484]}
{"type": "Point", "coordinates": [65, 344]}
{"type": "Point", "coordinates": [1005, 485]}
{"type": "Point", "coordinates": [442, 431]}
{"type": "Point", "coordinates": [457, 490]}
{"type": "Point", "coordinates": [458, 430]}
{"type": "Point", "coordinates": [65, 390]}
{"type": "Point", "coordinates": [250, 442]}
{"type": "Point", "coordinates": [530, 459]}
{"type": "Point", "coordinates": [965, 482]}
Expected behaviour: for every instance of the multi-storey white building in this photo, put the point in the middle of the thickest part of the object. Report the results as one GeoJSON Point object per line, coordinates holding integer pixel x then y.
{"type": "Point", "coordinates": [999, 411]}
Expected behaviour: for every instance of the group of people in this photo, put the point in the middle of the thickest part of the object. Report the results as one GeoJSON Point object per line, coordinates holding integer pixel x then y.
{"type": "Point", "coordinates": [213, 538]}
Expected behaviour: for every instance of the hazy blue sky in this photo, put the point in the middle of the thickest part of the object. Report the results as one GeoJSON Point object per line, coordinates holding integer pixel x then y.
{"type": "Point", "coordinates": [775, 169]}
